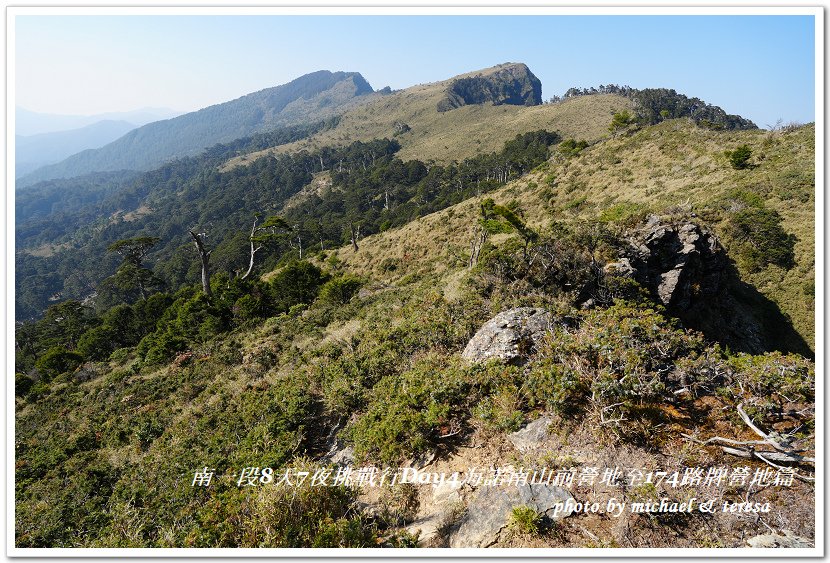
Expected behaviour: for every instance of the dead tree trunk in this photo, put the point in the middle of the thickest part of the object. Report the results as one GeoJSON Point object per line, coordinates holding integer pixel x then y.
{"type": "Point", "coordinates": [479, 238]}
{"type": "Point", "coordinates": [355, 234]}
{"type": "Point", "coordinates": [204, 255]}
{"type": "Point", "coordinates": [254, 249]}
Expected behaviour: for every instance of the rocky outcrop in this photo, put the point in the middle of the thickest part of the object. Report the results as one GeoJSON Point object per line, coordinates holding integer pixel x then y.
{"type": "Point", "coordinates": [511, 84]}
{"type": "Point", "coordinates": [681, 263]}
{"type": "Point", "coordinates": [489, 511]}
{"type": "Point", "coordinates": [788, 540]}
{"type": "Point", "coordinates": [512, 336]}
{"type": "Point", "coordinates": [684, 266]}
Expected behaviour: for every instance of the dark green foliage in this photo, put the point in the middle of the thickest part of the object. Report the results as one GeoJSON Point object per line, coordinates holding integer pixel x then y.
{"type": "Point", "coordinates": [298, 282]}
{"type": "Point", "coordinates": [572, 147]}
{"type": "Point", "coordinates": [761, 239]}
{"type": "Point", "coordinates": [60, 197]}
{"type": "Point", "coordinates": [739, 158]}
{"type": "Point", "coordinates": [411, 189]}
{"type": "Point", "coordinates": [753, 233]}
{"type": "Point", "coordinates": [653, 105]}
{"type": "Point", "coordinates": [132, 276]}
{"type": "Point", "coordinates": [339, 291]}
{"type": "Point", "coordinates": [379, 190]}
{"type": "Point", "coordinates": [559, 263]}
{"type": "Point", "coordinates": [621, 120]}
{"type": "Point", "coordinates": [56, 361]}
{"type": "Point", "coordinates": [22, 384]}
{"type": "Point", "coordinates": [616, 362]}
{"type": "Point", "coordinates": [98, 343]}
{"type": "Point", "coordinates": [180, 195]}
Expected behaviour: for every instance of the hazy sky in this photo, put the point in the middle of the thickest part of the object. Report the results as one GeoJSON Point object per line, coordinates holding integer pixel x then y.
{"type": "Point", "coordinates": [761, 67]}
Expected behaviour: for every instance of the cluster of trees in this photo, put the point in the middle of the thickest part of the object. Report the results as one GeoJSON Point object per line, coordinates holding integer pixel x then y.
{"type": "Point", "coordinates": [373, 190]}
{"type": "Point", "coordinates": [161, 324]}
{"type": "Point", "coordinates": [180, 196]}
{"type": "Point", "coordinates": [137, 303]}
{"type": "Point", "coordinates": [653, 105]}
{"type": "Point", "coordinates": [391, 192]}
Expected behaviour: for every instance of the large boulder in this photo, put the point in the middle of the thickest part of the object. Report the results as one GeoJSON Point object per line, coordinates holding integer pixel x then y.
{"type": "Point", "coordinates": [489, 511]}
{"type": "Point", "coordinates": [512, 336]}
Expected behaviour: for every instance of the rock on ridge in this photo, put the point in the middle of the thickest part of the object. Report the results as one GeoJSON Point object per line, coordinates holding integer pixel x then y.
{"type": "Point", "coordinates": [511, 84]}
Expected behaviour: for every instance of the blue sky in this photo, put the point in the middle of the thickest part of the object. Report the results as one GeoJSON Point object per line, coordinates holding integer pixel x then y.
{"type": "Point", "coordinates": [761, 67]}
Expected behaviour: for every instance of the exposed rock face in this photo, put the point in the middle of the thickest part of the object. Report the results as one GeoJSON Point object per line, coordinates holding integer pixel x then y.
{"type": "Point", "coordinates": [512, 84]}
{"type": "Point", "coordinates": [489, 511]}
{"type": "Point", "coordinates": [682, 264]}
{"type": "Point", "coordinates": [789, 540]}
{"type": "Point", "coordinates": [511, 336]}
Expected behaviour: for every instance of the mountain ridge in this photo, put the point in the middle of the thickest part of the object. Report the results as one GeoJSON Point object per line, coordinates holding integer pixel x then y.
{"type": "Point", "coordinates": [34, 151]}
{"type": "Point", "coordinates": [310, 97]}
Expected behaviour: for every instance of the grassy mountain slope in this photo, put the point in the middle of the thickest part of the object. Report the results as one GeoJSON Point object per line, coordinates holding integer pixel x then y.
{"type": "Point", "coordinates": [462, 132]}
{"type": "Point", "coordinates": [657, 168]}
{"type": "Point", "coordinates": [362, 347]}
{"type": "Point", "coordinates": [306, 99]}
{"type": "Point", "coordinates": [380, 369]}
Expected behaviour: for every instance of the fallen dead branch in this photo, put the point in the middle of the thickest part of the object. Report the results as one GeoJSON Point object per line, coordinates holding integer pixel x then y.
{"type": "Point", "coordinates": [785, 452]}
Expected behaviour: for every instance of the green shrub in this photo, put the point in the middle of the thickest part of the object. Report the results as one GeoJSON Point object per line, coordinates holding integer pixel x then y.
{"type": "Point", "coordinates": [760, 239]}
{"type": "Point", "coordinates": [572, 147]}
{"type": "Point", "coordinates": [626, 214]}
{"type": "Point", "coordinates": [408, 413]}
{"type": "Point", "coordinates": [502, 409]}
{"type": "Point", "coordinates": [298, 282]}
{"type": "Point", "coordinates": [97, 343]}
{"type": "Point", "coordinates": [160, 347]}
{"type": "Point", "coordinates": [621, 120]}
{"type": "Point", "coordinates": [525, 520]}
{"type": "Point", "coordinates": [22, 384]}
{"type": "Point", "coordinates": [739, 158]}
{"type": "Point", "coordinates": [773, 376]}
{"type": "Point", "coordinates": [56, 361]}
{"type": "Point", "coordinates": [339, 291]}
{"type": "Point", "coordinates": [615, 365]}
{"type": "Point", "coordinates": [247, 308]}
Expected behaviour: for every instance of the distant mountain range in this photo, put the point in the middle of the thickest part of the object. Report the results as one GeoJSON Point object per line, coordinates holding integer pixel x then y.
{"type": "Point", "coordinates": [34, 151]}
{"type": "Point", "coordinates": [312, 97]}
{"type": "Point", "coordinates": [34, 123]}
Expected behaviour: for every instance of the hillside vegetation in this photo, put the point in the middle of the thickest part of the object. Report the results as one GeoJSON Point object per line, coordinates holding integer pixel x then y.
{"type": "Point", "coordinates": [668, 267]}
{"type": "Point", "coordinates": [674, 164]}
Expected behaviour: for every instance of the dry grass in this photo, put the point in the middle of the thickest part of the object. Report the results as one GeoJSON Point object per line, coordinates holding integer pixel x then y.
{"type": "Point", "coordinates": [666, 165]}
{"type": "Point", "coordinates": [459, 133]}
